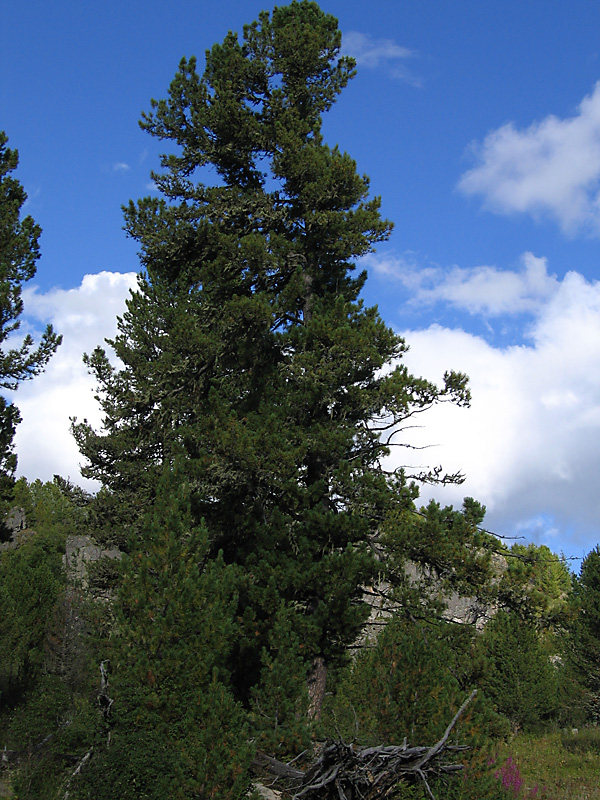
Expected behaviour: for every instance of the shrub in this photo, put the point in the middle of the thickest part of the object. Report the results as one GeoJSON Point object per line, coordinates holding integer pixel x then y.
{"type": "Point", "coordinates": [519, 678]}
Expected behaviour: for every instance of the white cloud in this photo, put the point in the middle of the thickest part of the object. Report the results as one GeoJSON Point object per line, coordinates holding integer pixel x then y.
{"type": "Point", "coordinates": [85, 316]}
{"type": "Point", "coordinates": [551, 168]}
{"type": "Point", "coordinates": [372, 53]}
{"type": "Point", "coordinates": [121, 166]}
{"type": "Point", "coordinates": [529, 442]}
{"type": "Point", "coordinates": [479, 290]}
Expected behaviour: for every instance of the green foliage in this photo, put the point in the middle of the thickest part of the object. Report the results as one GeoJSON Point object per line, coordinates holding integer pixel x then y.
{"type": "Point", "coordinates": [110, 522]}
{"type": "Point", "coordinates": [172, 710]}
{"type": "Point", "coordinates": [9, 419]}
{"type": "Point", "coordinates": [19, 250]}
{"type": "Point", "coordinates": [279, 703]}
{"type": "Point", "coordinates": [37, 714]}
{"type": "Point", "coordinates": [47, 704]}
{"type": "Point", "coordinates": [401, 688]}
{"type": "Point", "coordinates": [48, 700]}
{"type": "Point", "coordinates": [547, 766]}
{"type": "Point", "coordinates": [407, 685]}
{"type": "Point", "coordinates": [174, 601]}
{"type": "Point", "coordinates": [246, 354]}
{"type": "Point", "coordinates": [104, 574]}
{"type": "Point", "coordinates": [436, 552]}
{"type": "Point", "coordinates": [519, 677]}
{"type": "Point", "coordinates": [477, 781]}
{"type": "Point", "coordinates": [31, 580]}
{"type": "Point", "coordinates": [203, 754]}
{"type": "Point", "coordinates": [55, 507]}
{"type": "Point", "coordinates": [139, 764]}
{"type": "Point", "coordinates": [584, 741]}
{"type": "Point", "coordinates": [536, 584]}
{"type": "Point", "coordinates": [584, 645]}
{"type": "Point", "coordinates": [50, 727]}
{"type": "Point", "coordinates": [242, 458]}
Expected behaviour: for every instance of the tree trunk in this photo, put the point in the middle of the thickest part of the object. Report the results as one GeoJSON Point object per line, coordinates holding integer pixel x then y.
{"type": "Point", "coordinates": [317, 679]}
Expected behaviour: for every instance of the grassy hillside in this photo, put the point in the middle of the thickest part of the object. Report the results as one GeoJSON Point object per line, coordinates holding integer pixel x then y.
{"type": "Point", "coordinates": [563, 766]}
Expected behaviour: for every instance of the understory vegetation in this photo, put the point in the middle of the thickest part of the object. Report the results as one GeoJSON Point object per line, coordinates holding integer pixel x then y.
{"type": "Point", "coordinates": [126, 691]}
{"type": "Point", "coordinates": [256, 595]}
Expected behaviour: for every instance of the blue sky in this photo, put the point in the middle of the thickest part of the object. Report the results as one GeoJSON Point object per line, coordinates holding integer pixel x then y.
{"type": "Point", "coordinates": [478, 124]}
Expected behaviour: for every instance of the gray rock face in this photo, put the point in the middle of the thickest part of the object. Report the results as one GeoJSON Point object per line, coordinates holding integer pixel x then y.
{"type": "Point", "coordinates": [15, 520]}
{"type": "Point", "coordinates": [80, 552]}
{"type": "Point", "coordinates": [458, 608]}
{"type": "Point", "coordinates": [16, 525]}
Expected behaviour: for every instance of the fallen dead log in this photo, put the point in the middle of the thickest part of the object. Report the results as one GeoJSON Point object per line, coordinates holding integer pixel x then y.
{"type": "Point", "coordinates": [345, 772]}
{"type": "Point", "coordinates": [18, 755]}
{"type": "Point", "coordinates": [279, 769]}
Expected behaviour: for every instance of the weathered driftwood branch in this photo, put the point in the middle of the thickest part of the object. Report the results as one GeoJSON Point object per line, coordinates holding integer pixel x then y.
{"type": "Point", "coordinates": [78, 769]}
{"type": "Point", "coordinates": [345, 772]}
{"type": "Point", "coordinates": [104, 701]}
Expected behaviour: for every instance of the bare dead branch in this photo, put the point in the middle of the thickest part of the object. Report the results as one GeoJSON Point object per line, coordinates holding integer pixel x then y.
{"type": "Point", "coordinates": [345, 772]}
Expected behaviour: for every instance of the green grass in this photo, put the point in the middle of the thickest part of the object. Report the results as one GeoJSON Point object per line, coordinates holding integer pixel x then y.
{"type": "Point", "coordinates": [562, 766]}
{"type": "Point", "coordinates": [5, 788]}
{"type": "Point", "coordinates": [566, 765]}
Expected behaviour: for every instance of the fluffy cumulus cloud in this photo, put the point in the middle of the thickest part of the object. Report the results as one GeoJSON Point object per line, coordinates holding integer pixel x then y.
{"type": "Point", "coordinates": [480, 290]}
{"type": "Point", "coordinates": [550, 168]}
{"type": "Point", "coordinates": [529, 443]}
{"type": "Point", "coordinates": [85, 316]}
{"type": "Point", "coordinates": [373, 53]}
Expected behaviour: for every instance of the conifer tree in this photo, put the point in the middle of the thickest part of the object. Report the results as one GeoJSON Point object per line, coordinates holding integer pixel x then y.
{"type": "Point", "coordinates": [30, 582]}
{"type": "Point", "coordinates": [584, 642]}
{"type": "Point", "coordinates": [536, 584]}
{"type": "Point", "coordinates": [520, 679]}
{"type": "Point", "coordinates": [404, 687]}
{"type": "Point", "coordinates": [176, 731]}
{"type": "Point", "coordinates": [19, 251]}
{"type": "Point", "coordinates": [247, 351]}
{"type": "Point", "coordinates": [280, 701]}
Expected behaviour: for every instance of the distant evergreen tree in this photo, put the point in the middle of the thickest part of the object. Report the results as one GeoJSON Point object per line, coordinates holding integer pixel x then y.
{"type": "Point", "coordinates": [536, 584]}
{"type": "Point", "coordinates": [246, 349]}
{"type": "Point", "coordinates": [19, 251]}
{"type": "Point", "coordinates": [56, 506]}
{"type": "Point", "coordinates": [584, 645]}
{"type": "Point", "coordinates": [519, 677]}
{"type": "Point", "coordinates": [31, 580]}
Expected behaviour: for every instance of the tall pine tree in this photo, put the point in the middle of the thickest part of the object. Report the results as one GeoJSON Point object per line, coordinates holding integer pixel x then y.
{"type": "Point", "coordinates": [247, 351]}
